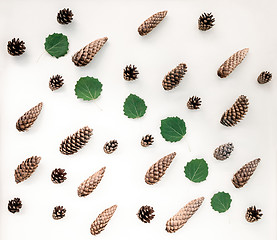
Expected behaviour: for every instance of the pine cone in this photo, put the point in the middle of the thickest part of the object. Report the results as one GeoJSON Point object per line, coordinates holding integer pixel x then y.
{"type": "Point", "coordinates": [110, 146]}
{"type": "Point", "coordinates": [145, 214]}
{"type": "Point", "coordinates": [173, 78]}
{"type": "Point", "coordinates": [65, 16]}
{"type": "Point", "coordinates": [58, 212]}
{"type": "Point", "coordinates": [58, 175]}
{"type": "Point", "coordinates": [76, 141]}
{"type": "Point", "coordinates": [91, 183]}
{"type": "Point", "coordinates": [56, 82]}
{"type": "Point", "coordinates": [14, 205]}
{"type": "Point", "coordinates": [264, 77]}
{"type": "Point", "coordinates": [26, 169]}
{"type": "Point", "coordinates": [236, 113]}
{"type": "Point", "coordinates": [102, 220]}
{"type": "Point", "coordinates": [194, 103]}
{"type": "Point", "coordinates": [86, 54]}
{"type": "Point", "coordinates": [242, 176]}
{"type": "Point", "coordinates": [28, 118]}
{"type": "Point", "coordinates": [223, 151]}
{"type": "Point", "coordinates": [253, 214]}
{"type": "Point", "coordinates": [206, 21]}
{"type": "Point", "coordinates": [149, 24]}
{"type": "Point", "coordinates": [184, 214]}
{"type": "Point", "coordinates": [158, 169]}
{"type": "Point", "coordinates": [130, 73]}
{"type": "Point", "coordinates": [16, 47]}
{"type": "Point", "coordinates": [147, 140]}
{"type": "Point", "coordinates": [231, 63]}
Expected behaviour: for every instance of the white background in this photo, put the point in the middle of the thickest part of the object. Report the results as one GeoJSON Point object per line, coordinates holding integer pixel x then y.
{"type": "Point", "coordinates": [24, 83]}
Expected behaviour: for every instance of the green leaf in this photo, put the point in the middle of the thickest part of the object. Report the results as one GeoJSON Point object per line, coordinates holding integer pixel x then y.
{"type": "Point", "coordinates": [173, 129]}
{"type": "Point", "coordinates": [221, 202]}
{"type": "Point", "coordinates": [196, 170]}
{"type": "Point", "coordinates": [134, 106]}
{"type": "Point", "coordinates": [88, 88]}
{"type": "Point", "coordinates": [56, 45]}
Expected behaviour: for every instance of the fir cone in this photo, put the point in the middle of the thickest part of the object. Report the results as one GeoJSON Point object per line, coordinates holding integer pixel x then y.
{"type": "Point", "coordinates": [264, 77]}
{"type": "Point", "coordinates": [26, 169]}
{"type": "Point", "coordinates": [16, 47]}
{"type": "Point", "coordinates": [102, 220]}
{"type": "Point", "coordinates": [110, 146]}
{"type": "Point", "coordinates": [206, 21]}
{"type": "Point", "coordinates": [65, 16]}
{"type": "Point", "coordinates": [184, 214]}
{"type": "Point", "coordinates": [147, 140]}
{"type": "Point", "coordinates": [223, 151]}
{"type": "Point", "coordinates": [58, 212]}
{"type": "Point", "coordinates": [242, 176]}
{"type": "Point", "coordinates": [56, 82]}
{"type": "Point", "coordinates": [58, 175]}
{"type": "Point", "coordinates": [28, 118]}
{"type": "Point", "coordinates": [91, 183]}
{"type": "Point", "coordinates": [236, 113]}
{"type": "Point", "coordinates": [173, 78]}
{"type": "Point", "coordinates": [231, 63]}
{"type": "Point", "coordinates": [158, 169]}
{"type": "Point", "coordinates": [253, 214]}
{"type": "Point", "coordinates": [14, 205]}
{"type": "Point", "coordinates": [194, 103]}
{"type": "Point", "coordinates": [76, 141]}
{"type": "Point", "coordinates": [149, 24]}
{"type": "Point", "coordinates": [145, 214]}
{"type": "Point", "coordinates": [86, 54]}
{"type": "Point", "coordinates": [130, 73]}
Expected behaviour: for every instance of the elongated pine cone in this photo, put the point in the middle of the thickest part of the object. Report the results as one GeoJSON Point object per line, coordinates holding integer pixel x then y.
{"type": "Point", "coordinates": [14, 205]}
{"type": "Point", "coordinates": [110, 147]}
{"type": "Point", "coordinates": [86, 54]}
{"type": "Point", "coordinates": [58, 212]}
{"type": "Point", "coordinates": [223, 151]}
{"type": "Point", "coordinates": [149, 24]}
{"type": "Point", "coordinates": [130, 73]}
{"type": "Point", "coordinates": [56, 82]}
{"type": "Point", "coordinates": [173, 78]}
{"type": "Point", "coordinates": [26, 169]}
{"type": "Point", "coordinates": [65, 16]}
{"type": "Point", "coordinates": [236, 113]}
{"type": "Point", "coordinates": [184, 214]}
{"type": "Point", "coordinates": [28, 118]}
{"type": "Point", "coordinates": [194, 103]}
{"type": "Point", "coordinates": [58, 175]}
{"type": "Point", "coordinates": [206, 21]}
{"type": "Point", "coordinates": [16, 47]}
{"type": "Point", "coordinates": [147, 140]}
{"type": "Point", "coordinates": [87, 186]}
{"type": "Point", "coordinates": [264, 77]}
{"type": "Point", "coordinates": [145, 214]}
{"type": "Point", "coordinates": [242, 176]}
{"type": "Point", "coordinates": [253, 214]}
{"type": "Point", "coordinates": [158, 169]}
{"type": "Point", "coordinates": [231, 63]}
{"type": "Point", "coordinates": [76, 141]}
{"type": "Point", "coordinates": [102, 220]}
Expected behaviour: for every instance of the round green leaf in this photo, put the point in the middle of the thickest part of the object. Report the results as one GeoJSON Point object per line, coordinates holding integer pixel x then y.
{"type": "Point", "coordinates": [173, 129]}
{"type": "Point", "coordinates": [196, 170]}
{"type": "Point", "coordinates": [221, 202]}
{"type": "Point", "coordinates": [88, 88]}
{"type": "Point", "coordinates": [56, 45]}
{"type": "Point", "coordinates": [134, 106]}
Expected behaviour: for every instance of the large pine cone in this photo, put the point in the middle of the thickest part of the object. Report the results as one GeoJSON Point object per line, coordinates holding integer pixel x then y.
{"type": "Point", "coordinates": [145, 214]}
{"type": "Point", "coordinates": [173, 78]}
{"type": "Point", "coordinates": [16, 47]}
{"type": "Point", "coordinates": [14, 205]}
{"type": "Point", "coordinates": [65, 16]}
{"type": "Point", "coordinates": [253, 214]}
{"type": "Point", "coordinates": [206, 21]}
{"type": "Point", "coordinates": [223, 151]}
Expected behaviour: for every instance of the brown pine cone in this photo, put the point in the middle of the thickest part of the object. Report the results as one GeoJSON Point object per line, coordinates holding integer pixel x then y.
{"type": "Point", "coordinates": [65, 16]}
{"type": "Point", "coordinates": [242, 176]}
{"type": "Point", "coordinates": [223, 151]}
{"type": "Point", "coordinates": [102, 220]}
{"type": "Point", "coordinates": [194, 103]}
{"type": "Point", "coordinates": [110, 146]}
{"type": "Point", "coordinates": [149, 24]}
{"type": "Point", "coordinates": [76, 141]}
{"type": "Point", "coordinates": [158, 169]}
{"type": "Point", "coordinates": [264, 77]}
{"type": "Point", "coordinates": [58, 175]}
{"type": "Point", "coordinates": [130, 73]}
{"type": "Point", "coordinates": [28, 118]}
{"type": "Point", "coordinates": [87, 186]}
{"type": "Point", "coordinates": [86, 54]}
{"type": "Point", "coordinates": [236, 113]}
{"type": "Point", "coordinates": [14, 205]}
{"type": "Point", "coordinates": [184, 214]}
{"type": "Point", "coordinates": [206, 21]}
{"type": "Point", "coordinates": [58, 212]}
{"type": "Point", "coordinates": [173, 78]}
{"type": "Point", "coordinates": [26, 169]}
{"type": "Point", "coordinates": [253, 214]}
{"type": "Point", "coordinates": [147, 140]}
{"type": "Point", "coordinates": [231, 63]}
{"type": "Point", "coordinates": [16, 47]}
{"type": "Point", "coordinates": [145, 214]}
{"type": "Point", "coordinates": [56, 82]}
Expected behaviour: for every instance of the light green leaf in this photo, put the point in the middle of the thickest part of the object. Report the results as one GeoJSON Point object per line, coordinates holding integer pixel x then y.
{"type": "Point", "coordinates": [173, 129]}
{"type": "Point", "coordinates": [196, 170]}
{"type": "Point", "coordinates": [221, 202]}
{"type": "Point", "coordinates": [56, 45]}
{"type": "Point", "coordinates": [88, 88]}
{"type": "Point", "coordinates": [134, 106]}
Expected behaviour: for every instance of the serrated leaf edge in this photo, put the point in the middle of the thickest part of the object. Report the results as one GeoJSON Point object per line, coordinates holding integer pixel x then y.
{"type": "Point", "coordinates": [206, 165]}
{"type": "Point", "coordinates": [52, 46]}
{"type": "Point", "coordinates": [223, 205]}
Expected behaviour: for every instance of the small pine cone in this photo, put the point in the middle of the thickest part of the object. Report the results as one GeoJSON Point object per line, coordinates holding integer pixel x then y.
{"type": "Point", "coordinates": [223, 151]}
{"type": "Point", "coordinates": [102, 220]}
{"type": "Point", "coordinates": [173, 78]}
{"type": "Point", "coordinates": [110, 146]}
{"type": "Point", "coordinates": [231, 63]}
{"type": "Point", "coordinates": [58, 175]}
{"type": "Point", "coordinates": [145, 214]}
{"type": "Point", "coordinates": [206, 21]}
{"type": "Point", "coordinates": [194, 103]}
{"type": "Point", "coordinates": [58, 212]}
{"type": "Point", "coordinates": [130, 73]}
{"type": "Point", "coordinates": [14, 205]}
{"type": "Point", "coordinates": [76, 141]}
{"type": "Point", "coordinates": [86, 54]}
{"type": "Point", "coordinates": [149, 24]}
{"type": "Point", "coordinates": [253, 214]}
{"type": "Point", "coordinates": [65, 16]}
{"type": "Point", "coordinates": [28, 118]}
{"type": "Point", "coordinates": [91, 183]}
{"type": "Point", "coordinates": [236, 113]}
{"type": "Point", "coordinates": [242, 176]}
{"type": "Point", "coordinates": [184, 214]}
{"type": "Point", "coordinates": [147, 140]}
{"type": "Point", "coordinates": [56, 82]}
{"type": "Point", "coordinates": [16, 47]}
{"type": "Point", "coordinates": [158, 169]}
{"type": "Point", "coordinates": [264, 77]}
{"type": "Point", "coordinates": [26, 169]}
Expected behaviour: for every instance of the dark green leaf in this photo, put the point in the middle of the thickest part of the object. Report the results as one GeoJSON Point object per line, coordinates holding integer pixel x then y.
{"type": "Point", "coordinates": [56, 45]}
{"type": "Point", "coordinates": [88, 88]}
{"type": "Point", "coordinates": [173, 129]}
{"type": "Point", "coordinates": [196, 170]}
{"type": "Point", "coordinates": [134, 106]}
{"type": "Point", "coordinates": [221, 202]}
